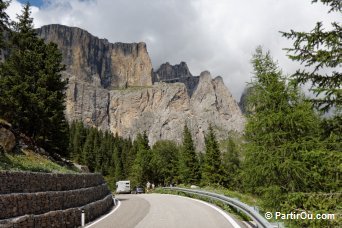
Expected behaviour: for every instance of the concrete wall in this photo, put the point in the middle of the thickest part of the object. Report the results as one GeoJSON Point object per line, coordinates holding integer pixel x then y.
{"type": "Point", "coordinates": [57, 206]}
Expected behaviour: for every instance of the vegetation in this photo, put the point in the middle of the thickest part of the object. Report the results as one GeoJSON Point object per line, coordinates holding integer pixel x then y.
{"type": "Point", "coordinates": [189, 172]}
{"type": "Point", "coordinates": [320, 50]}
{"type": "Point", "coordinates": [211, 171]}
{"type": "Point", "coordinates": [30, 161]}
{"type": "Point", "coordinates": [31, 88]}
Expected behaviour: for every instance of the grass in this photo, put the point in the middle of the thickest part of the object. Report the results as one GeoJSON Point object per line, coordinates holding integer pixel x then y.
{"type": "Point", "coordinates": [30, 161]}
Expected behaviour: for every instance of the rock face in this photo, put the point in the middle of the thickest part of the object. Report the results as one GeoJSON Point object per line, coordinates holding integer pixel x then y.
{"type": "Point", "coordinates": [98, 71]}
{"type": "Point", "coordinates": [177, 73]}
{"type": "Point", "coordinates": [7, 138]}
{"type": "Point", "coordinates": [97, 61]}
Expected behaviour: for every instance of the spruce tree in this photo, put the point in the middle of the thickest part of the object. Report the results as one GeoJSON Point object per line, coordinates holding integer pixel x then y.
{"type": "Point", "coordinates": [142, 170]}
{"type": "Point", "coordinates": [4, 24]}
{"type": "Point", "coordinates": [164, 162]}
{"type": "Point", "coordinates": [118, 171]}
{"type": "Point", "coordinates": [32, 89]}
{"type": "Point", "coordinates": [188, 163]}
{"type": "Point", "coordinates": [211, 173]}
{"type": "Point", "coordinates": [89, 156]}
{"type": "Point", "coordinates": [231, 164]}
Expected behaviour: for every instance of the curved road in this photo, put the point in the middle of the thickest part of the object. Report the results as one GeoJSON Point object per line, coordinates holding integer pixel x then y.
{"type": "Point", "coordinates": [167, 211]}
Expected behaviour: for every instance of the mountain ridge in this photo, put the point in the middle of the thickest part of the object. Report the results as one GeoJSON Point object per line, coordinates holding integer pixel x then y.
{"type": "Point", "coordinates": [113, 87]}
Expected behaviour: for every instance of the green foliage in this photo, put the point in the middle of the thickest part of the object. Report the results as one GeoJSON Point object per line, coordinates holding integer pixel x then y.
{"type": "Point", "coordinates": [279, 130]}
{"type": "Point", "coordinates": [321, 50]}
{"type": "Point", "coordinates": [32, 89]}
{"type": "Point", "coordinates": [211, 171]}
{"type": "Point", "coordinates": [231, 164]}
{"type": "Point", "coordinates": [189, 172]}
{"type": "Point", "coordinates": [313, 203]}
{"type": "Point", "coordinates": [164, 162]}
{"type": "Point", "coordinates": [4, 23]}
{"type": "Point", "coordinates": [142, 170]}
{"type": "Point", "coordinates": [289, 151]}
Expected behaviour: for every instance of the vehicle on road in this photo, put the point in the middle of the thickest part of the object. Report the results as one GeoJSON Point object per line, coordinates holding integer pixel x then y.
{"type": "Point", "coordinates": [138, 190]}
{"type": "Point", "coordinates": [123, 187]}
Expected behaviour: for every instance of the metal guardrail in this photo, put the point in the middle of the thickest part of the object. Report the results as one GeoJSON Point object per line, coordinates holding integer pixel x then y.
{"type": "Point", "coordinates": [255, 216]}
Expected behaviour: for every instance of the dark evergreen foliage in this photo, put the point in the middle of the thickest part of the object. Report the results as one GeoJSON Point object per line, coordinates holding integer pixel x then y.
{"type": "Point", "coordinates": [189, 172]}
{"type": "Point", "coordinates": [31, 87]}
{"type": "Point", "coordinates": [211, 171]}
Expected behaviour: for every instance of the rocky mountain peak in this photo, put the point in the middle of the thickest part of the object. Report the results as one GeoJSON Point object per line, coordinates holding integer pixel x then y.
{"type": "Point", "coordinates": [176, 73]}
{"type": "Point", "coordinates": [170, 73]}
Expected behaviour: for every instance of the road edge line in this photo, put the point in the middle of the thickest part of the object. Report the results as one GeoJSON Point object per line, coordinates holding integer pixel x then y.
{"type": "Point", "coordinates": [101, 218]}
{"type": "Point", "coordinates": [222, 212]}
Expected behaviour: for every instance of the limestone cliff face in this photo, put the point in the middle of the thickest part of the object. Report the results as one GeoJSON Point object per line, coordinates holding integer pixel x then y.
{"type": "Point", "coordinates": [97, 61]}
{"type": "Point", "coordinates": [110, 87]}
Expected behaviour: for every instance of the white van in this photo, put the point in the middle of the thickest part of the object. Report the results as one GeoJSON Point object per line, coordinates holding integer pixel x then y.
{"type": "Point", "coordinates": [123, 187]}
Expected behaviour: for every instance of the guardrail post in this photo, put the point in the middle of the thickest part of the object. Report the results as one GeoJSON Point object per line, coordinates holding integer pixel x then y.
{"type": "Point", "coordinates": [82, 217]}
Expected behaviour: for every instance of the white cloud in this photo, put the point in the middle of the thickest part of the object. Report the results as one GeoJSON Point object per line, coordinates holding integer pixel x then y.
{"type": "Point", "coordinates": [219, 36]}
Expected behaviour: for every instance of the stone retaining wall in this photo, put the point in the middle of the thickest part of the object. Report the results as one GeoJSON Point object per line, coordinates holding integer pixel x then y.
{"type": "Point", "coordinates": [24, 182]}
{"type": "Point", "coordinates": [61, 218]}
{"type": "Point", "coordinates": [51, 200]}
{"type": "Point", "coordinates": [14, 205]}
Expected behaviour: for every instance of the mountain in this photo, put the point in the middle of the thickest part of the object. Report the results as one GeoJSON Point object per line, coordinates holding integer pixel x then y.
{"type": "Point", "coordinates": [113, 87]}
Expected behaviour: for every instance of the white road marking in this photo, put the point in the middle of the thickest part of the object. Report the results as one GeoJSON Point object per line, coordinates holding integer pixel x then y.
{"type": "Point", "coordinates": [223, 213]}
{"type": "Point", "coordinates": [100, 219]}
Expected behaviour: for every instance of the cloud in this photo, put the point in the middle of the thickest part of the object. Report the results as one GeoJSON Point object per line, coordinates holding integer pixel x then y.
{"type": "Point", "coordinates": [219, 36]}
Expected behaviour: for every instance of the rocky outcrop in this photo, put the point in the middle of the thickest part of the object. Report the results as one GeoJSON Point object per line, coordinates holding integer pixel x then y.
{"type": "Point", "coordinates": [110, 87]}
{"type": "Point", "coordinates": [177, 73]}
{"type": "Point", "coordinates": [7, 138]}
{"type": "Point", "coordinates": [162, 109]}
{"type": "Point", "coordinates": [97, 61]}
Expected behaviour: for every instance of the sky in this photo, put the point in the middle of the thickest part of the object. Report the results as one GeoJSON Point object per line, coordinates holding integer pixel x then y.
{"type": "Point", "coordinates": [215, 35]}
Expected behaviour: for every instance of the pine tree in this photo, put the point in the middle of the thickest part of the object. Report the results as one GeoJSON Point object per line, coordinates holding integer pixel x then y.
{"type": "Point", "coordinates": [320, 50]}
{"type": "Point", "coordinates": [211, 173]}
{"type": "Point", "coordinates": [188, 163]}
{"type": "Point", "coordinates": [32, 89]}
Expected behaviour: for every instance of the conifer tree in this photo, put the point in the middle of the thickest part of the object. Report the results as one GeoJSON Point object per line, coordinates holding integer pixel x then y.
{"type": "Point", "coordinates": [32, 89]}
{"type": "Point", "coordinates": [230, 164]}
{"type": "Point", "coordinates": [88, 150]}
{"type": "Point", "coordinates": [280, 129]}
{"type": "Point", "coordinates": [118, 171]}
{"type": "Point", "coordinates": [141, 170]}
{"type": "Point", "coordinates": [4, 24]}
{"type": "Point", "coordinates": [164, 162]}
{"type": "Point", "coordinates": [211, 172]}
{"type": "Point", "coordinates": [188, 163]}
{"type": "Point", "coordinates": [321, 50]}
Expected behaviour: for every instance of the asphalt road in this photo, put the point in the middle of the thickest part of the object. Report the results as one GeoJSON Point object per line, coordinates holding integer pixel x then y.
{"type": "Point", "coordinates": [163, 211]}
